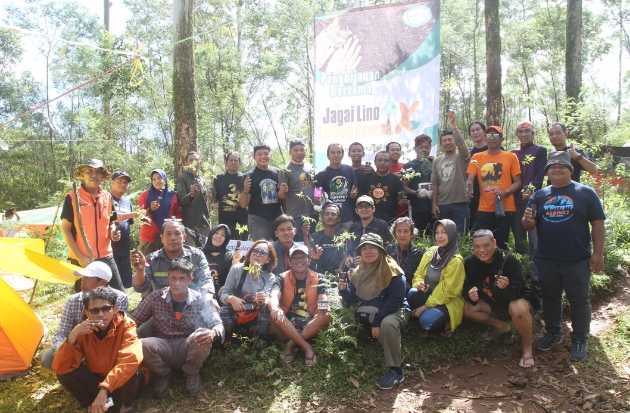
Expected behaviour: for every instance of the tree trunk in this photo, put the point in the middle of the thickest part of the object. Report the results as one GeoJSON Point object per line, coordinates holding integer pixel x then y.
{"type": "Point", "coordinates": [573, 58]}
{"type": "Point", "coordinates": [184, 85]}
{"type": "Point", "coordinates": [493, 63]}
{"type": "Point", "coordinates": [478, 111]}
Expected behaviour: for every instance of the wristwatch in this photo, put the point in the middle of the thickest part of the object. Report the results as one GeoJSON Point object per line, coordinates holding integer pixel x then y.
{"type": "Point", "coordinates": [579, 158]}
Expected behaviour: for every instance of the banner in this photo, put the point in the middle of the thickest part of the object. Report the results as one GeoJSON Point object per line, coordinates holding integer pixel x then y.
{"type": "Point", "coordinates": [377, 77]}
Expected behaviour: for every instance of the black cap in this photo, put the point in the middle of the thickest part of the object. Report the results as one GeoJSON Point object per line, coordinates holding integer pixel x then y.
{"type": "Point", "coordinates": [119, 174]}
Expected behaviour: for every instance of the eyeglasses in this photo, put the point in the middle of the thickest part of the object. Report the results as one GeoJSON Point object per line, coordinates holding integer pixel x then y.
{"type": "Point", "coordinates": [105, 309]}
{"type": "Point", "coordinates": [493, 135]}
{"type": "Point", "coordinates": [259, 252]}
{"type": "Point", "coordinates": [364, 206]}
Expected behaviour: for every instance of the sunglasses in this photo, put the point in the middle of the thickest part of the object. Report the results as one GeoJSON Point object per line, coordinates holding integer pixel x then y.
{"type": "Point", "coordinates": [259, 252]}
{"type": "Point", "coordinates": [105, 309]}
{"type": "Point", "coordinates": [493, 135]}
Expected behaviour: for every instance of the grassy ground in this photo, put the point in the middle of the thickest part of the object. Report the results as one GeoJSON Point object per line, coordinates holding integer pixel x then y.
{"type": "Point", "coordinates": [249, 375]}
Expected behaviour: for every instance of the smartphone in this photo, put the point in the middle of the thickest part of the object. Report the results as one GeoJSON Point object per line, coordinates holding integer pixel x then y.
{"type": "Point", "coordinates": [238, 245]}
{"type": "Point", "coordinates": [534, 208]}
{"type": "Point", "coordinates": [109, 403]}
{"type": "Point", "coordinates": [249, 306]}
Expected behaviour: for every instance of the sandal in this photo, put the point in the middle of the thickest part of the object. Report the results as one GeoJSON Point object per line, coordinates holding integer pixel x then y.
{"type": "Point", "coordinates": [311, 361]}
{"type": "Point", "coordinates": [288, 357]}
{"type": "Point", "coordinates": [524, 360]}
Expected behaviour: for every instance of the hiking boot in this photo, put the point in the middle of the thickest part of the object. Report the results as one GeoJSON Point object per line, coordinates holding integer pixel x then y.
{"type": "Point", "coordinates": [160, 388]}
{"type": "Point", "coordinates": [193, 384]}
{"type": "Point", "coordinates": [579, 350]}
{"type": "Point", "coordinates": [390, 380]}
{"type": "Point", "coordinates": [547, 341]}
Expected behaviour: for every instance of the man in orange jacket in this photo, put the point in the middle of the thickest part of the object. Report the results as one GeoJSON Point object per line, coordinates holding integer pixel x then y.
{"type": "Point", "coordinates": [298, 306]}
{"type": "Point", "coordinates": [112, 352]}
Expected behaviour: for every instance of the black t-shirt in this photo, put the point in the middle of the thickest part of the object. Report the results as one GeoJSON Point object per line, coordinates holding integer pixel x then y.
{"type": "Point", "coordinates": [122, 247]}
{"type": "Point", "coordinates": [376, 226]}
{"type": "Point", "coordinates": [384, 191]}
{"type": "Point", "coordinates": [264, 200]}
{"type": "Point", "coordinates": [178, 308]}
{"type": "Point", "coordinates": [422, 167]}
{"type": "Point", "coordinates": [338, 183]}
{"type": "Point", "coordinates": [228, 188]}
{"type": "Point", "coordinates": [332, 254]}
{"type": "Point", "coordinates": [219, 266]}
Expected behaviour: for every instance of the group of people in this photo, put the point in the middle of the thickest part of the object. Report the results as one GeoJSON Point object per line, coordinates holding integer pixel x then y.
{"type": "Point", "coordinates": [196, 291]}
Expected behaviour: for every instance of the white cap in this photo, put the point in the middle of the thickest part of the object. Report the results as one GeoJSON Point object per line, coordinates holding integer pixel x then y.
{"type": "Point", "coordinates": [96, 269]}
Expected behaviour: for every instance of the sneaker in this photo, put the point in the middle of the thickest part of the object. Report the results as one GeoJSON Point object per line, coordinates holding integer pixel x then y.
{"type": "Point", "coordinates": [547, 341]}
{"type": "Point", "coordinates": [390, 380]}
{"type": "Point", "coordinates": [193, 384]}
{"type": "Point", "coordinates": [579, 349]}
{"type": "Point", "coordinates": [160, 388]}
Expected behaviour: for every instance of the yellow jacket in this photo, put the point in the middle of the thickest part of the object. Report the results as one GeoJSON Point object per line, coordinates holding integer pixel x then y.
{"type": "Point", "coordinates": [449, 290]}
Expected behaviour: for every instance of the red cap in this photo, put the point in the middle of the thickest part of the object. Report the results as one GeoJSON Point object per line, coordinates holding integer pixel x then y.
{"type": "Point", "coordinates": [495, 128]}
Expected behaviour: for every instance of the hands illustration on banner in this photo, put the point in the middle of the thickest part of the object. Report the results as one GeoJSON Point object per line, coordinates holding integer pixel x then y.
{"type": "Point", "coordinates": [339, 46]}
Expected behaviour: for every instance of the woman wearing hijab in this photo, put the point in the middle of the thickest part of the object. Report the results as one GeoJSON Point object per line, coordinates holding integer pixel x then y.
{"type": "Point", "coordinates": [437, 301]}
{"type": "Point", "coordinates": [377, 286]}
{"type": "Point", "coordinates": [160, 204]}
{"type": "Point", "coordinates": [220, 260]}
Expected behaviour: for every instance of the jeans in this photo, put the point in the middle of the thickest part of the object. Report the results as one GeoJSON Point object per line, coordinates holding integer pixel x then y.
{"type": "Point", "coordinates": [525, 241]}
{"type": "Point", "coordinates": [124, 269]}
{"type": "Point", "coordinates": [162, 355]}
{"type": "Point", "coordinates": [574, 277]}
{"type": "Point", "coordinates": [260, 228]}
{"type": "Point", "coordinates": [432, 320]}
{"type": "Point", "coordinates": [83, 385]}
{"type": "Point", "coordinates": [500, 226]}
{"type": "Point", "coordinates": [458, 213]}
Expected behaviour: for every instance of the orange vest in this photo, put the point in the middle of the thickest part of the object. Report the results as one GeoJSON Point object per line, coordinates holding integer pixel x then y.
{"type": "Point", "coordinates": [95, 216]}
{"type": "Point", "coordinates": [289, 291]}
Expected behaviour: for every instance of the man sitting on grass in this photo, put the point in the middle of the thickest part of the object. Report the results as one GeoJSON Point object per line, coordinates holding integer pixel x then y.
{"type": "Point", "coordinates": [294, 306]}
{"type": "Point", "coordinates": [96, 274]}
{"type": "Point", "coordinates": [498, 293]}
{"type": "Point", "coordinates": [185, 327]}
{"type": "Point", "coordinates": [102, 356]}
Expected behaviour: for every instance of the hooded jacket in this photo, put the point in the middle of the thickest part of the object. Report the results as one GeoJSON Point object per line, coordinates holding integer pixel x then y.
{"type": "Point", "coordinates": [220, 264]}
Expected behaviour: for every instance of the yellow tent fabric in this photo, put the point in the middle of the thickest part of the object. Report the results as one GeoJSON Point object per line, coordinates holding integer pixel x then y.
{"type": "Point", "coordinates": [26, 256]}
{"type": "Point", "coordinates": [20, 331]}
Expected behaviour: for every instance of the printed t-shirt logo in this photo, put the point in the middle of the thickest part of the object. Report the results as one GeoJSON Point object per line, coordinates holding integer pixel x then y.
{"type": "Point", "coordinates": [268, 192]}
{"type": "Point", "coordinates": [491, 174]}
{"type": "Point", "coordinates": [447, 171]}
{"type": "Point", "coordinates": [379, 193]}
{"type": "Point", "coordinates": [299, 306]}
{"type": "Point", "coordinates": [230, 200]}
{"type": "Point", "coordinates": [558, 209]}
{"type": "Point", "coordinates": [338, 189]}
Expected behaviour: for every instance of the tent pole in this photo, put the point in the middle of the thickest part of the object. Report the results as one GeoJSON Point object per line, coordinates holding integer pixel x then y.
{"type": "Point", "coordinates": [50, 235]}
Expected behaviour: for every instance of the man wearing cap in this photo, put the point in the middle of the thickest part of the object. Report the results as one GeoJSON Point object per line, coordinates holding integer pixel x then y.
{"type": "Point", "coordinates": [293, 304]}
{"type": "Point", "coordinates": [561, 214]}
{"type": "Point", "coordinates": [448, 178]}
{"type": "Point", "coordinates": [121, 248]}
{"type": "Point", "coordinates": [192, 195]}
{"type": "Point", "coordinates": [326, 254]}
{"type": "Point", "coordinates": [95, 221]}
{"type": "Point", "coordinates": [185, 327]}
{"type": "Point", "coordinates": [96, 274]}
{"type": "Point", "coordinates": [494, 299]}
{"type": "Point", "coordinates": [532, 160]}
{"type": "Point", "coordinates": [296, 189]}
{"type": "Point", "coordinates": [102, 356]}
{"type": "Point", "coordinates": [558, 137]}
{"type": "Point", "coordinates": [368, 224]}
{"type": "Point", "coordinates": [499, 176]}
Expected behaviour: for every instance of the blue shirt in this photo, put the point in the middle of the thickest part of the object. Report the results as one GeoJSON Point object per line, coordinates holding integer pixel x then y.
{"type": "Point", "coordinates": [122, 247]}
{"type": "Point", "coordinates": [562, 221]}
